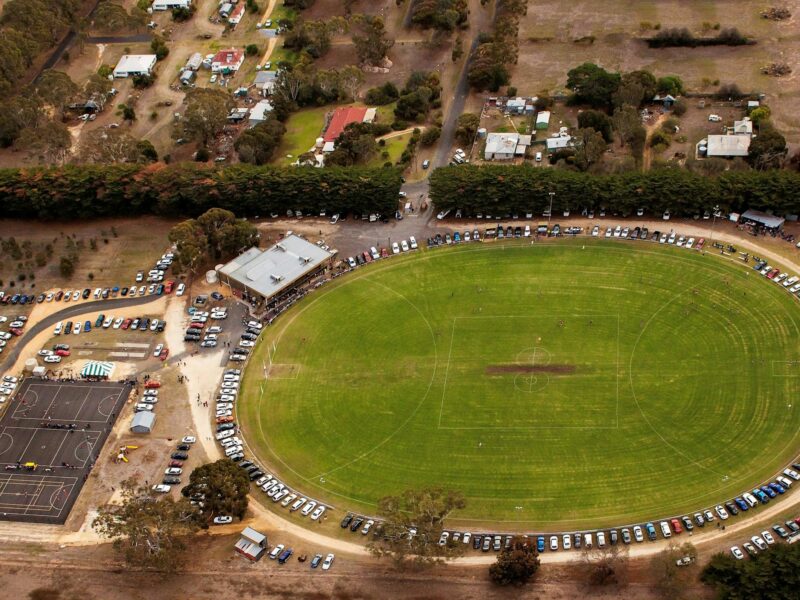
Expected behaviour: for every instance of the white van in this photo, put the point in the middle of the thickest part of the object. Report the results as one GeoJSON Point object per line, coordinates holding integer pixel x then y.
{"type": "Point", "coordinates": [750, 499]}
{"type": "Point", "coordinates": [601, 539]}
{"type": "Point", "coordinates": [665, 530]}
{"type": "Point", "coordinates": [59, 328]}
{"type": "Point", "coordinates": [587, 540]}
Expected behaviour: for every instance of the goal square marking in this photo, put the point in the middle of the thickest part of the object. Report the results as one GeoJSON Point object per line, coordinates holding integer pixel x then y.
{"type": "Point", "coordinates": [542, 372]}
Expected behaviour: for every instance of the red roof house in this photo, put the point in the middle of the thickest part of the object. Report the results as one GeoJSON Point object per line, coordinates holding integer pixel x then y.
{"type": "Point", "coordinates": [342, 117]}
{"type": "Point", "coordinates": [227, 61]}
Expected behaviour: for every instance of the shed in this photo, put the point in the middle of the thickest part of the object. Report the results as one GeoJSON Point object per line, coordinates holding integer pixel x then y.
{"type": "Point", "coordinates": [557, 143]}
{"type": "Point", "coordinates": [143, 422]}
{"type": "Point", "coordinates": [543, 119]}
{"type": "Point", "coordinates": [728, 146]}
{"type": "Point", "coordinates": [369, 116]}
{"type": "Point", "coordinates": [260, 112]}
{"type": "Point", "coordinates": [187, 76]}
{"type": "Point", "coordinates": [757, 217]}
{"type": "Point", "coordinates": [251, 544]}
{"type": "Point", "coordinates": [743, 127]}
{"type": "Point", "coordinates": [40, 371]}
{"type": "Point", "coordinates": [265, 82]}
{"type": "Point", "coordinates": [515, 105]}
{"type": "Point", "coordinates": [135, 64]}
{"type": "Point", "coordinates": [194, 62]}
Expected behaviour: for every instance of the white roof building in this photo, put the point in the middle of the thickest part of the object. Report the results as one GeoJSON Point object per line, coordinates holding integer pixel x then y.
{"type": "Point", "coordinates": [260, 112]}
{"type": "Point", "coordinates": [557, 143]}
{"type": "Point", "coordinates": [728, 146]}
{"type": "Point", "coordinates": [505, 146]}
{"type": "Point", "coordinates": [135, 64]}
{"type": "Point", "coordinates": [743, 127]}
{"type": "Point", "coordinates": [543, 119]}
{"type": "Point", "coordinates": [170, 4]}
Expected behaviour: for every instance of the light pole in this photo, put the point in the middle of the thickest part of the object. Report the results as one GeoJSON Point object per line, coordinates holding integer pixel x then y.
{"type": "Point", "coordinates": [550, 211]}
{"type": "Point", "coordinates": [714, 222]}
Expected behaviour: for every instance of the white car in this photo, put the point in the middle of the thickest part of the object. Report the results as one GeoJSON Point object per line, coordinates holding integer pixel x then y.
{"type": "Point", "coordinates": [181, 289]}
{"type": "Point", "coordinates": [162, 488]}
{"type": "Point", "coordinates": [308, 508]}
{"type": "Point", "coordinates": [157, 350]}
{"type": "Point", "coordinates": [276, 551]}
{"type": "Point", "coordinates": [45, 352]}
{"type": "Point", "coordinates": [288, 500]}
{"type": "Point", "coordinates": [721, 512]}
{"type": "Point", "coordinates": [637, 534]}
{"type": "Point", "coordinates": [76, 295]}
{"type": "Point", "coordinates": [225, 434]}
{"type": "Point", "coordinates": [143, 407]}
{"type": "Point", "coordinates": [404, 245]}
{"type": "Point", "coordinates": [52, 359]}
{"type": "Point", "coordinates": [737, 553]}
{"type": "Point", "coordinates": [374, 253]}
{"type": "Point", "coordinates": [368, 525]}
{"type": "Point", "coordinates": [328, 562]}
{"type": "Point", "coordinates": [413, 242]}
{"type": "Point", "coordinates": [761, 544]}
{"type": "Point", "coordinates": [188, 439]}
{"type": "Point", "coordinates": [223, 520]}
{"type": "Point", "coordinates": [566, 541]}
{"type": "Point", "coordinates": [768, 537]}
{"type": "Point", "coordinates": [76, 328]}
{"type": "Point", "coordinates": [689, 243]}
{"type": "Point", "coordinates": [317, 513]}
{"type": "Point", "coordinates": [173, 471]}
{"type": "Point", "coordinates": [297, 504]}
{"type": "Point", "coordinates": [609, 232]}
{"type": "Point", "coordinates": [395, 248]}
{"type": "Point", "coordinates": [246, 343]}
{"type": "Point", "coordinates": [233, 450]}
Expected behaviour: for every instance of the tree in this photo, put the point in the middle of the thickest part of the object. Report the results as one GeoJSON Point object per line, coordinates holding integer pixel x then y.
{"type": "Point", "coordinates": [444, 15]}
{"type": "Point", "coordinates": [487, 68]}
{"type": "Point", "coordinates": [159, 47]}
{"type": "Point", "coordinates": [112, 17]}
{"type": "Point", "coordinates": [760, 115]}
{"type": "Point", "coordinates": [127, 112]}
{"type": "Point", "coordinates": [466, 128]}
{"type": "Point", "coordinates": [598, 121]}
{"type": "Point", "coordinates": [424, 509]}
{"type": "Point", "coordinates": [50, 142]}
{"type": "Point", "coordinates": [257, 145]}
{"type": "Point", "coordinates": [356, 144]}
{"type": "Point", "coordinates": [670, 84]}
{"type": "Point", "coordinates": [350, 78]}
{"type": "Point", "coordinates": [191, 245]}
{"type": "Point", "coordinates": [56, 89]}
{"type": "Point", "coordinates": [20, 111]}
{"type": "Point", "coordinates": [589, 148]}
{"type": "Point", "coordinates": [114, 145]}
{"type": "Point", "coordinates": [236, 237]}
{"type": "Point", "coordinates": [206, 114]}
{"type": "Point", "coordinates": [670, 579]}
{"type": "Point", "coordinates": [634, 88]}
{"type": "Point", "coordinates": [516, 564]}
{"type": "Point", "coordinates": [430, 136]}
{"type": "Point", "coordinates": [604, 566]}
{"type": "Point", "coordinates": [767, 149]}
{"type": "Point", "coordinates": [385, 94]}
{"type": "Point", "coordinates": [224, 488]}
{"type": "Point", "coordinates": [627, 122]}
{"type": "Point", "coordinates": [97, 88]}
{"type": "Point", "coordinates": [66, 267]}
{"type": "Point", "coordinates": [592, 85]}
{"type": "Point", "coordinates": [148, 532]}
{"type": "Point", "coordinates": [370, 39]}
{"type": "Point", "coordinates": [773, 575]}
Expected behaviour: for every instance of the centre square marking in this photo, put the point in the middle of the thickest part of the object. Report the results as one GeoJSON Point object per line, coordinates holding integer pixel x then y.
{"type": "Point", "coordinates": [532, 372]}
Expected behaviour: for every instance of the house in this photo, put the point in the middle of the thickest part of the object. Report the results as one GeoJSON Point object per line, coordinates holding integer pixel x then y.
{"type": "Point", "coordinates": [194, 62]}
{"type": "Point", "coordinates": [227, 61]}
{"type": "Point", "coordinates": [251, 544]}
{"type": "Point", "coordinates": [265, 82]}
{"type": "Point", "coordinates": [135, 64]}
{"type": "Point", "coordinates": [743, 127]}
{"type": "Point", "coordinates": [341, 118]}
{"type": "Point", "coordinates": [260, 112]}
{"type": "Point", "coordinates": [725, 146]}
{"type": "Point", "coordinates": [505, 146]}
{"type": "Point", "coordinates": [559, 142]}
{"type": "Point", "coordinates": [515, 105]}
{"type": "Point", "coordinates": [237, 14]}
{"type": "Point", "coordinates": [170, 4]}
{"type": "Point", "coordinates": [237, 115]}
{"type": "Point", "coordinates": [543, 119]}
{"type": "Point", "coordinates": [143, 421]}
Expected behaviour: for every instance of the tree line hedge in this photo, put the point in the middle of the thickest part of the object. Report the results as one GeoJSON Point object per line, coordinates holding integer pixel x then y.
{"type": "Point", "coordinates": [119, 190]}
{"type": "Point", "coordinates": [497, 189]}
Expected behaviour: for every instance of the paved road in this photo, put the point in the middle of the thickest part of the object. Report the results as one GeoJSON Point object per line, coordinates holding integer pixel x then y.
{"type": "Point", "coordinates": [70, 311]}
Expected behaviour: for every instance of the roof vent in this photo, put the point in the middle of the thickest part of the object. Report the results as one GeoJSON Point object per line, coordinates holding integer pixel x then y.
{"type": "Point", "coordinates": [305, 259]}
{"type": "Point", "coordinates": [276, 278]}
{"type": "Point", "coordinates": [280, 246]}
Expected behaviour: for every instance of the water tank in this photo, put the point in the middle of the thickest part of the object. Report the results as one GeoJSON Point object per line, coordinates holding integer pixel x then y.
{"type": "Point", "coordinates": [30, 365]}
{"type": "Point", "coordinates": [482, 132]}
{"type": "Point", "coordinates": [211, 276]}
{"type": "Point", "coordinates": [702, 150]}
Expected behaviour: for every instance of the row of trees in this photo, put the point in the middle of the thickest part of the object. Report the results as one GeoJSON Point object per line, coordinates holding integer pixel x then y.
{"type": "Point", "coordinates": [498, 189]}
{"type": "Point", "coordinates": [682, 37]}
{"type": "Point", "coordinates": [314, 37]}
{"type": "Point", "coordinates": [490, 62]}
{"type": "Point", "coordinates": [444, 15]}
{"type": "Point", "coordinates": [93, 191]}
{"type": "Point", "coordinates": [594, 86]}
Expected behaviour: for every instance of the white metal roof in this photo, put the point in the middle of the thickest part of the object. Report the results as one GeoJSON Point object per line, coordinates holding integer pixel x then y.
{"type": "Point", "coordinates": [270, 271]}
{"type": "Point", "coordinates": [135, 63]}
{"type": "Point", "coordinates": [728, 145]}
{"type": "Point", "coordinates": [501, 143]}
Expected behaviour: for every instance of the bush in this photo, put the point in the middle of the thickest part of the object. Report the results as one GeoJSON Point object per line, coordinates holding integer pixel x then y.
{"type": "Point", "coordinates": [202, 155]}
{"type": "Point", "coordinates": [729, 90]}
{"type": "Point", "coordinates": [141, 82]}
{"type": "Point", "coordinates": [251, 50]}
{"type": "Point", "coordinates": [399, 125]}
{"type": "Point", "coordinates": [430, 136]}
{"type": "Point", "coordinates": [385, 94]}
{"type": "Point", "coordinates": [511, 91]}
{"type": "Point", "coordinates": [680, 107]}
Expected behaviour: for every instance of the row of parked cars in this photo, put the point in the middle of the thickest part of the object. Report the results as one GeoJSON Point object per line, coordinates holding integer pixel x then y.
{"type": "Point", "coordinates": [196, 331]}
{"type": "Point", "coordinates": [638, 533]}
{"type": "Point", "coordinates": [789, 531]}
{"type": "Point", "coordinates": [174, 469]}
{"type": "Point", "coordinates": [246, 341]}
{"type": "Point", "coordinates": [104, 321]}
{"type": "Point", "coordinates": [8, 386]}
{"type": "Point", "coordinates": [789, 282]}
{"type": "Point", "coordinates": [367, 256]}
{"type": "Point", "coordinates": [233, 447]}
{"type": "Point", "coordinates": [15, 327]}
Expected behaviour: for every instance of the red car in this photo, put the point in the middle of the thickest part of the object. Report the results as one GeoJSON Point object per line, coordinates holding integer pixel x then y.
{"type": "Point", "coordinates": [151, 385]}
{"type": "Point", "coordinates": [773, 274]}
{"type": "Point", "coordinates": [16, 332]}
{"type": "Point", "coordinates": [676, 525]}
{"type": "Point", "coordinates": [197, 325]}
{"type": "Point", "coordinates": [700, 243]}
{"type": "Point", "coordinates": [384, 253]}
{"type": "Point", "coordinates": [126, 323]}
{"type": "Point", "coordinates": [224, 419]}
{"type": "Point", "coordinates": [168, 287]}
{"type": "Point", "coordinates": [367, 256]}
{"type": "Point", "coordinates": [164, 354]}
{"type": "Point", "coordinates": [61, 352]}
{"type": "Point", "coordinates": [176, 463]}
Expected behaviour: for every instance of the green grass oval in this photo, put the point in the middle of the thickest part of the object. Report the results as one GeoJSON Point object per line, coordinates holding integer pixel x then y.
{"type": "Point", "coordinates": [556, 385]}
